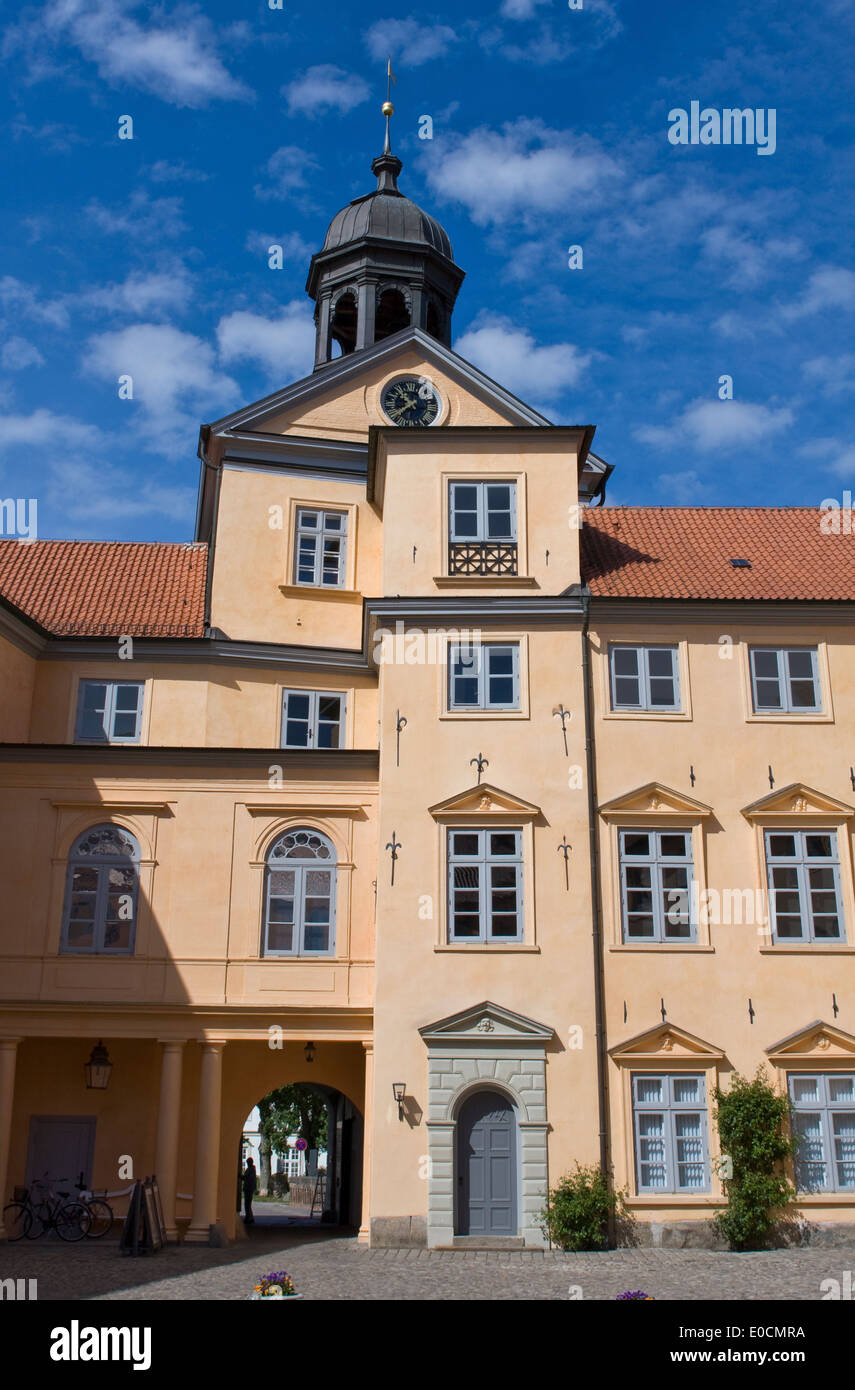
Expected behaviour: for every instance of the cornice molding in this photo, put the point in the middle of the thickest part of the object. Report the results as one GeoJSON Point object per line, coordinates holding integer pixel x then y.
{"type": "Point", "coordinates": [138, 756]}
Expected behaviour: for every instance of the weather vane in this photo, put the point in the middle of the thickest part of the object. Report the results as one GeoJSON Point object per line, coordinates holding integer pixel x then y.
{"type": "Point", "coordinates": [388, 109]}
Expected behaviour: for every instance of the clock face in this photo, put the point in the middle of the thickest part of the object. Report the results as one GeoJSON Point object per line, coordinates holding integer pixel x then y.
{"type": "Point", "coordinates": [410, 400]}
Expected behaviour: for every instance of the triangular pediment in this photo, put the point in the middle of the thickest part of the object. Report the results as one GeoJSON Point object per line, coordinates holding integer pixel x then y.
{"type": "Point", "coordinates": [818, 1042]}
{"type": "Point", "coordinates": [487, 1022]}
{"type": "Point", "coordinates": [655, 799]}
{"type": "Point", "coordinates": [665, 1041]}
{"type": "Point", "coordinates": [294, 408]}
{"type": "Point", "coordinates": [795, 800]}
{"type": "Point", "coordinates": [484, 800]}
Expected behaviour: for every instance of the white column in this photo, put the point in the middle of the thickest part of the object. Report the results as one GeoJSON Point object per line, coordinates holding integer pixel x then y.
{"type": "Point", "coordinates": [207, 1143]}
{"type": "Point", "coordinates": [364, 1235]}
{"type": "Point", "coordinates": [168, 1125]}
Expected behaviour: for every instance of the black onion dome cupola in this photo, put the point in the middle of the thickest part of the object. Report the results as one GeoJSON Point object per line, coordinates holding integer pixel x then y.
{"type": "Point", "coordinates": [385, 265]}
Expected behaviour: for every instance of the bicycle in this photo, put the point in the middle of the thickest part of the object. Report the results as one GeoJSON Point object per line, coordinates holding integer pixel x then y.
{"type": "Point", "coordinates": [100, 1211]}
{"type": "Point", "coordinates": [55, 1212]}
{"type": "Point", "coordinates": [17, 1217]}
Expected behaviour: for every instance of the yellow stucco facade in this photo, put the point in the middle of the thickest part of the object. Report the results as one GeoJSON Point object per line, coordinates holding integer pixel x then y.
{"type": "Point", "coordinates": [550, 1009]}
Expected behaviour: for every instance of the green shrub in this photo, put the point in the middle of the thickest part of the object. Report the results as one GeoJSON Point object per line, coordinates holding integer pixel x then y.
{"type": "Point", "coordinates": [580, 1210]}
{"type": "Point", "coordinates": [751, 1119]}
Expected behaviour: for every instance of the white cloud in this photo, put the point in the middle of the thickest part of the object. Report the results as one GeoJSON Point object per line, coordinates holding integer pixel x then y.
{"type": "Point", "coordinates": [287, 168]}
{"type": "Point", "coordinates": [23, 302]}
{"type": "Point", "coordinates": [511, 356]}
{"type": "Point", "coordinates": [87, 491]}
{"type": "Point", "coordinates": [18, 353]}
{"type": "Point", "coordinates": [296, 250]}
{"type": "Point", "coordinates": [139, 218]}
{"type": "Point", "coordinates": [325, 88]}
{"type": "Point", "coordinates": [715, 424]}
{"type": "Point", "coordinates": [834, 375]}
{"type": "Point", "coordinates": [283, 346]}
{"type": "Point", "coordinates": [45, 427]}
{"type": "Point", "coordinates": [522, 172]}
{"type": "Point", "coordinates": [165, 171]}
{"type": "Point", "coordinates": [175, 377]}
{"type": "Point", "coordinates": [831, 287]}
{"type": "Point", "coordinates": [173, 56]}
{"type": "Point", "coordinates": [685, 489]}
{"type": "Point", "coordinates": [411, 42]}
{"type": "Point", "coordinates": [520, 9]}
{"type": "Point", "coordinates": [746, 260]}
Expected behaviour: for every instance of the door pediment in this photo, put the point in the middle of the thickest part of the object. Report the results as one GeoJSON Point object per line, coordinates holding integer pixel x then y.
{"type": "Point", "coordinates": [487, 1022]}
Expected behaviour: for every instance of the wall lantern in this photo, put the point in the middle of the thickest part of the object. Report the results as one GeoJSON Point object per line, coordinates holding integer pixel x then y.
{"type": "Point", "coordinates": [98, 1069]}
{"type": "Point", "coordinates": [399, 1090]}
{"type": "Point", "coordinates": [309, 1051]}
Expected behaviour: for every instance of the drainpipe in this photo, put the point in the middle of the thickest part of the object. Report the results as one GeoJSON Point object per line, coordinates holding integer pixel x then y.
{"type": "Point", "coordinates": [596, 914]}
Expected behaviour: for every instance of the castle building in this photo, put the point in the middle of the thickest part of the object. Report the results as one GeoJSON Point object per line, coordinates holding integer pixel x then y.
{"type": "Point", "coordinates": [515, 822]}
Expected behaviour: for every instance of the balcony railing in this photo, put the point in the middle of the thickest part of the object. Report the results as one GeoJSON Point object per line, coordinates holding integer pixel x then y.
{"type": "Point", "coordinates": [482, 557]}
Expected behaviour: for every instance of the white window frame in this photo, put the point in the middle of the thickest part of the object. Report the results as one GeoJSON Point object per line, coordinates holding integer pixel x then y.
{"type": "Point", "coordinates": [110, 711]}
{"type": "Point", "coordinates": [656, 861]}
{"type": "Point", "coordinates": [314, 721]}
{"type": "Point", "coordinates": [101, 864]}
{"type": "Point", "coordinates": [319, 534]}
{"type": "Point", "coordinates": [484, 860]}
{"type": "Point", "coordinates": [785, 679]}
{"type": "Point", "coordinates": [481, 537]}
{"type": "Point", "coordinates": [300, 867]}
{"type": "Point", "coordinates": [645, 705]}
{"type": "Point", "coordinates": [482, 653]}
{"type": "Point", "coordinates": [670, 1108]}
{"type": "Point", "coordinates": [802, 862]}
{"type": "Point", "coordinates": [826, 1109]}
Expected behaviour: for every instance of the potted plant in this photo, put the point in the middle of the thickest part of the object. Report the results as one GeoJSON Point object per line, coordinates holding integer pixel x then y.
{"type": "Point", "coordinates": [637, 1294]}
{"type": "Point", "coordinates": [276, 1285]}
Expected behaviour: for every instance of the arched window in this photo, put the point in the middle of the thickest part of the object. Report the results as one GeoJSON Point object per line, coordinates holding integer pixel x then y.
{"type": "Point", "coordinates": [343, 326]}
{"type": "Point", "coordinates": [101, 892]}
{"type": "Point", "coordinates": [299, 895]}
{"type": "Point", "coordinates": [392, 315]}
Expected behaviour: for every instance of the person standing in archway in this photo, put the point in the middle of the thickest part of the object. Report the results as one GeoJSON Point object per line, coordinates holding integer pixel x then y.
{"type": "Point", "coordinates": [249, 1185]}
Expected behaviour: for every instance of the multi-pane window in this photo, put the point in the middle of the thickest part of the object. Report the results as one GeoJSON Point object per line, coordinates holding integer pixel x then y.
{"type": "Point", "coordinates": [785, 679]}
{"type": "Point", "coordinates": [483, 511]}
{"type": "Point", "coordinates": [645, 678]}
{"type": "Point", "coordinates": [823, 1123]}
{"type": "Point", "coordinates": [804, 885]}
{"type": "Point", "coordinates": [484, 675]}
{"type": "Point", "coordinates": [312, 719]}
{"type": "Point", "coordinates": [656, 881]}
{"type": "Point", "coordinates": [101, 893]}
{"type": "Point", "coordinates": [321, 546]}
{"type": "Point", "coordinates": [671, 1146]}
{"type": "Point", "coordinates": [109, 711]}
{"type": "Point", "coordinates": [485, 885]}
{"type": "Point", "coordinates": [299, 895]}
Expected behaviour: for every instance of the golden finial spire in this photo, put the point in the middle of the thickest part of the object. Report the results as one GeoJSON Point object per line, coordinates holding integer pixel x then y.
{"type": "Point", "coordinates": [388, 109]}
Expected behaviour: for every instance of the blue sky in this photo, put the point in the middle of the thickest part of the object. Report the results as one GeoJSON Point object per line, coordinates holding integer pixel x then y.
{"type": "Point", "coordinates": [253, 125]}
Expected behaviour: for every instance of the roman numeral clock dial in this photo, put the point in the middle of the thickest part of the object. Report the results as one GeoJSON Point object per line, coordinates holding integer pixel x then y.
{"type": "Point", "coordinates": [409, 401]}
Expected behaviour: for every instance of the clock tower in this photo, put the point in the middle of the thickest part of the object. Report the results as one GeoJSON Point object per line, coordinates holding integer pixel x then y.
{"type": "Point", "coordinates": [385, 265]}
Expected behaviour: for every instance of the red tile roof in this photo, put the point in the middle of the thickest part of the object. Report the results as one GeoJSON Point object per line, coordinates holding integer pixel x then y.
{"type": "Point", "coordinates": [107, 588]}
{"type": "Point", "coordinates": [685, 553]}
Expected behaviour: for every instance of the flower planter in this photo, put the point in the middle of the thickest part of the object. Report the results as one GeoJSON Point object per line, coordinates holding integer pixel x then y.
{"type": "Point", "coordinates": [275, 1297]}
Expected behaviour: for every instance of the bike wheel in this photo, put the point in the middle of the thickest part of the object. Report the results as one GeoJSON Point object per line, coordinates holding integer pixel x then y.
{"type": "Point", "coordinates": [16, 1220]}
{"type": "Point", "coordinates": [72, 1221]}
{"type": "Point", "coordinates": [39, 1222]}
{"type": "Point", "coordinates": [100, 1218]}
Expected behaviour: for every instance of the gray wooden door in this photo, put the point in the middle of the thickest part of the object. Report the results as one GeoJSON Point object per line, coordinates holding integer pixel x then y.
{"type": "Point", "coordinates": [61, 1146]}
{"type": "Point", "coordinates": [487, 1166]}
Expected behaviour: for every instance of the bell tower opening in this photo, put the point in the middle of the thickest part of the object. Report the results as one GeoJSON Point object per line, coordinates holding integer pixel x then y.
{"type": "Point", "coordinates": [343, 326]}
{"type": "Point", "coordinates": [392, 314]}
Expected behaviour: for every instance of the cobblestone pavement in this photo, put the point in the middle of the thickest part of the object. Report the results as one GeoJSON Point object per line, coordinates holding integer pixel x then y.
{"type": "Point", "coordinates": [328, 1265]}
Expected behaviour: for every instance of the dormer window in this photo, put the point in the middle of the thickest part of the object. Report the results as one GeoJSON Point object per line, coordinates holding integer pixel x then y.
{"type": "Point", "coordinates": [482, 530]}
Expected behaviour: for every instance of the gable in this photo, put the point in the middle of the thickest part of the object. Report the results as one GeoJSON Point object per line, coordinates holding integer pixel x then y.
{"type": "Point", "coordinates": [487, 1021]}
{"type": "Point", "coordinates": [666, 1043]}
{"type": "Point", "coordinates": [655, 799]}
{"type": "Point", "coordinates": [796, 800]}
{"type": "Point", "coordinates": [342, 399]}
{"type": "Point", "coordinates": [483, 800]}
